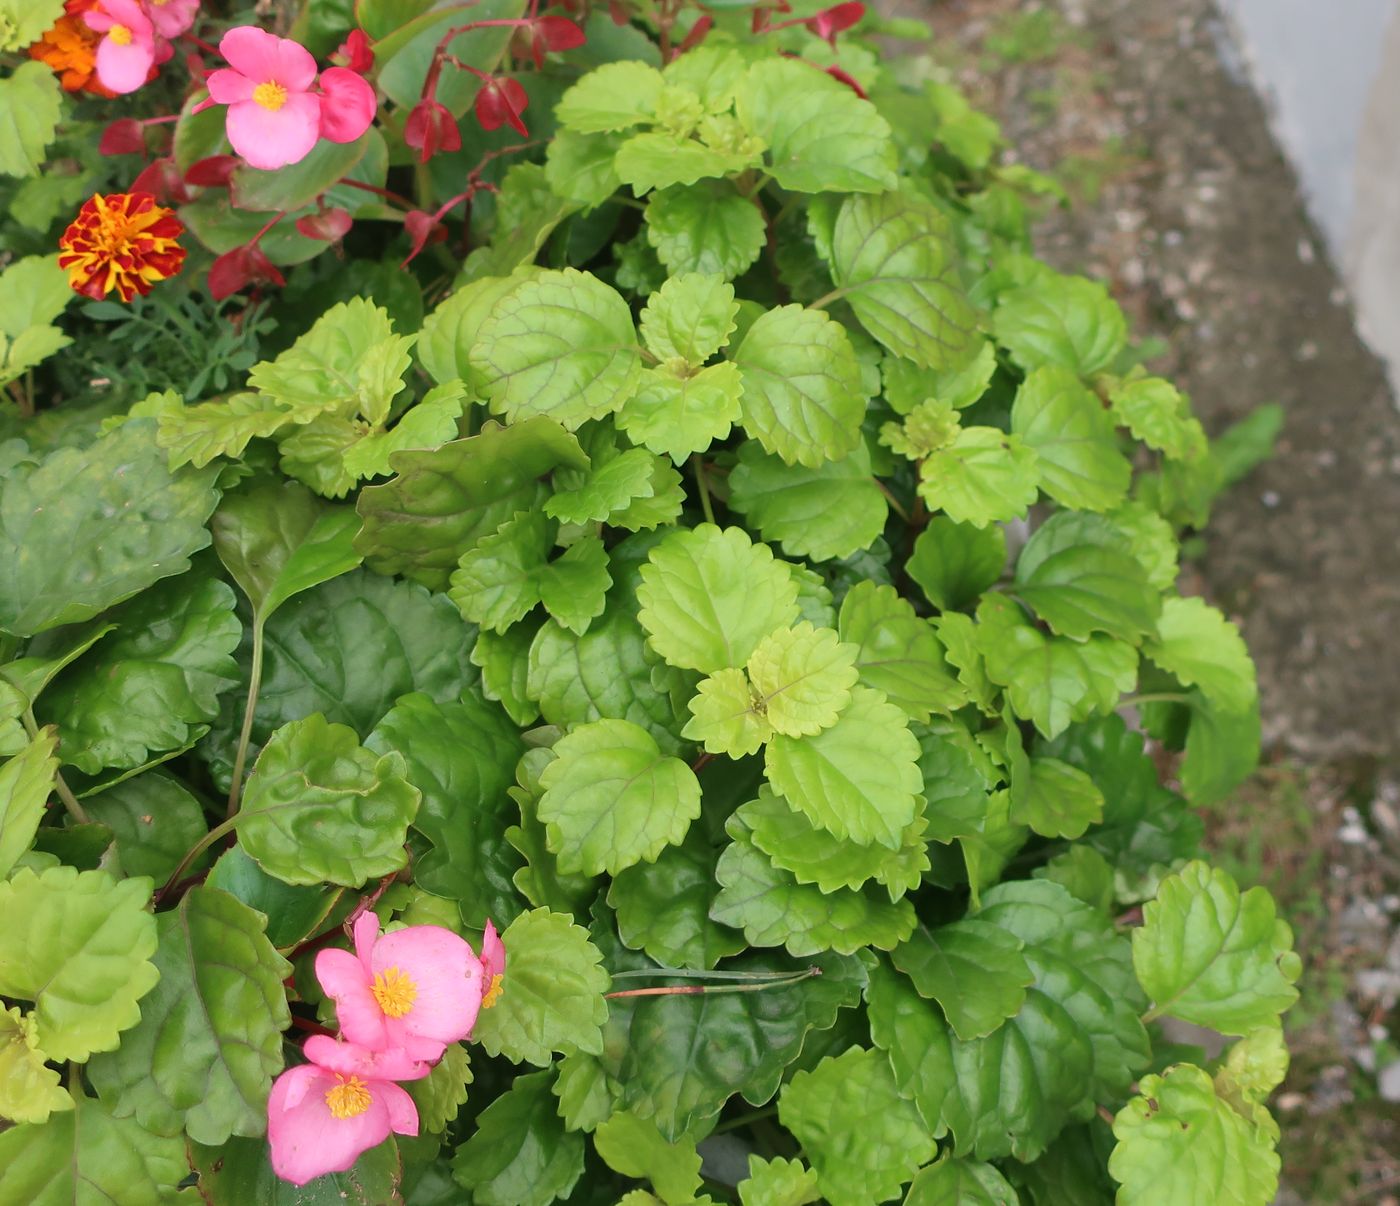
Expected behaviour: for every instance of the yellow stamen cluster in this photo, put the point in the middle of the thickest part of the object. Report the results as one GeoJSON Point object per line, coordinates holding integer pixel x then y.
{"type": "Point", "coordinates": [395, 991]}
{"type": "Point", "coordinates": [348, 1097]}
{"type": "Point", "coordinates": [120, 34]}
{"type": "Point", "coordinates": [271, 95]}
{"type": "Point", "coordinates": [493, 994]}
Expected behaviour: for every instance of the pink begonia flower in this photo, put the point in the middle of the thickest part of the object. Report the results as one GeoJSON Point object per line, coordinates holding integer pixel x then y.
{"type": "Point", "coordinates": [415, 990]}
{"type": "Point", "coordinates": [172, 17]}
{"type": "Point", "coordinates": [322, 1115]}
{"type": "Point", "coordinates": [493, 965]}
{"type": "Point", "coordinates": [274, 118]}
{"type": "Point", "coordinates": [127, 52]}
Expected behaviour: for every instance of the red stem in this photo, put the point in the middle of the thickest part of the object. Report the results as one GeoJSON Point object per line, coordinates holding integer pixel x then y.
{"type": "Point", "coordinates": [311, 1027]}
{"type": "Point", "coordinates": [398, 198]}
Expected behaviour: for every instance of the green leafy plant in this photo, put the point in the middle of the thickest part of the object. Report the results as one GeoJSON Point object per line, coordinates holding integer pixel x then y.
{"type": "Point", "coordinates": [749, 583]}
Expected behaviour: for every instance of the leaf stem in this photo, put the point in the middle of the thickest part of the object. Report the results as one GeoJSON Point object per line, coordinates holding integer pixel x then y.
{"type": "Point", "coordinates": [1153, 697]}
{"type": "Point", "coordinates": [220, 830]}
{"type": "Point", "coordinates": [745, 1120]}
{"type": "Point", "coordinates": [61, 789]}
{"type": "Point", "coordinates": [683, 990]}
{"type": "Point", "coordinates": [246, 733]}
{"type": "Point", "coordinates": [705, 505]}
{"type": "Point", "coordinates": [895, 504]}
{"type": "Point", "coordinates": [827, 298]}
{"type": "Point", "coordinates": [690, 973]}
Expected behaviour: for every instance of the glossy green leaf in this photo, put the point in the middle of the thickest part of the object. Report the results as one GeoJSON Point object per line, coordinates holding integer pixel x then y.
{"type": "Point", "coordinates": [1073, 439]}
{"type": "Point", "coordinates": [952, 1182]}
{"type": "Point", "coordinates": [900, 654]}
{"type": "Point", "coordinates": [973, 969]}
{"type": "Point", "coordinates": [657, 160]}
{"type": "Point", "coordinates": [983, 476]}
{"type": "Point", "coordinates": [445, 499]}
{"type": "Point", "coordinates": [293, 913]}
{"type": "Point", "coordinates": [706, 227]}
{"type": "Point", "coordinates": [834, 510]}
{"type": "Point", "coordinates": [676, 414]}
{"type": "Point", "coordinates": [858, 779]}
{"type": "Point", "coordinates": [195, 435]}
{"type": "Point", "coordinates": [804, 396]}
{"type": "Point", "coordinates": [802, 677]}
{"type": "Point", "coordinates": [1064, 321]}
{"type": "Point", "coordinates": [29, 1089]}
{"type": "Point", "coordinates": [708, 596]}
{"type": "Point", "coordinates": [25, 783]}
{"type": "Point", "coordinates": [612, 798]}
{"type": "Point", "coordinates": [579, 167]}
{"type": "Point", "coordinates": [151, 685]}
{"type": "Point", "coordinates": [855, 1165]}
{"type": "Point", "coordinates": [1197, 644]}
{"type": "Point", "coordinates": [892, 258]}
{"type": "Point", "coordinates": [519, 1153]}
{"type": "Point", "coordinates": [209, 1042]}
{"type": "Point", "coordinates": [552, 994]}
{"type": "Point", "coordinates": [560, 344]}
{"type": "Point", "coordinates": [1060, 801]}
{"type": "Point", "coordinates": [441, 1094]}
{"type": "Point", "coordinates": [318, 806]}
{"type": "Point", "coordinates": [297, 185]}
{"type": "Point", "coordinates": [821, 137]}
{"type": "Point", "coordinates": [1179, 1143]}
{"type": "Point", "coordinates": [451, 329]}
{"type": "Point", "coordinates": [504, 664]}
{"type": "Point", "coordinates": [78, 944]}
{"type": "Point", "coordinates": [461, 755]}
{"type": "Point", "coordinates": [154, 820]}
{"type": "Point", "coordinates": [726, 715]}
{"type": "Point", "coordinates": [240, 1171]}
{"type": "Point", "coordinates": [615, 478]}
{"type": "Point", "coordinates": [85, 1156]}
{"type": "Point", "coordinates": [1209, 954]}
{"type": "Point", "coordinates": [73, 552]}
{"type": "Point", "coordinates": [635, 1148]}
{"type": "Point", "coordinates": [953, 563]}
{"type": "Point", "coordinates": [773, 909]}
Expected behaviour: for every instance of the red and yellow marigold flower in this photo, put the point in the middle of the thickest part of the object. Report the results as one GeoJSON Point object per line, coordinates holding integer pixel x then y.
{"type": "Point", "coordinates": [70, 49]}
{"type": "Point", "coordinates": [123, 241]}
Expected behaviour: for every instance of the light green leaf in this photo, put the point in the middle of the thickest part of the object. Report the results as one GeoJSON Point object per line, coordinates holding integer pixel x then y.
{"type": "Point", "coordinates": [726, 715]}
{"type": "Point", "coordinates": [953, 563]}
{"type": "Point", "coordinates": [893, 259]}
{"type": "Point", "coordinates": [803, 678]}
{"type": "Point", "coordinates": [151, 685]}
{"type": "Point", "coordinates": [519, 1153]}
{"type": "Point", "coordinates": [84, 1156]}
{"type": "Point", "coordinates": [855, 1165]}
{"type": "Point", "coordinates": [349, 362]}
{"type": "Point", "coordinates": [676, 414]}
{"type": "Point", "coordinates": [461, 755]}
{"type": "Point", "coordinates": [984, 476]}
{"type": "Point", "coordinates": [585, 1099]}
{"type": "Point", "coordinates": [1157, 413]}
{"type": "Point", "coordinates": [705, 227]}
{"type": "Point", "coordinates": [451, 330]}
{"type": "Point", "coordinates": [931, 425]}
{"type": "Point", "coordinates": [29, 102]}
{"type": "Point", "coordinates": [1066, 321]}
{"type": "Point", "coordinates": [318, 806]}
{"type": "Point", "coordinates": [504, 663]}
{"type": "Point", "coordinates": [30, 348]}
{"type": "Point", "coordinates": [973, 969]}
{"type": "Point", "coordinates": [195, 435]}
{"type": "Point", "coordinates": [615, 96]}
{"type": "Point", "coordinates": [1209, 954]}
{"type": "Point", "coordinates": [663, 907]}
{"type": "Point", "coordinates": [77, 944]}
{"type": "Point", "coordinates": [952, 1182]}
{"type": "Point", "coordinates": [29, 1090]}
{"type": "Point", "coordinates": [634, 1147]}
{"type": "Point", "coordinates": [778, 1182]}
{"type": "Point", "coordinates": [210, 1038]}
{"type": "Point", "coordinates": [559, 344]}
{"type": "Point", "coordinates": [1253, 1068]}
{"type": "Point", "coordinates": [24, 21]}
{"type": "Point", "coordinates": [579, 167]}
{"type": "Point", "coordinates": [814, 856]}
{"type": "Point", "coordinates": [528, 212]}
{"type": "Point", "coordinates": [445, 499]}
{"type": "Point", "coordinates": [691, 316]}
{"type": "Point", "coordinates": [804, 395]}
{"type": "Point", "coordinates": [831, 511]}
{"type": "Point", "coordinates": [821, 136]}
{"type": "Point", "coordinates": [1153, 541]}
{"type": "Point", "coordinates": [441, 1094]}
{"type": "Point", "coordinates": [34, 291]}
{"type": "Point", "coordinates": [659, 160]}
{"type": "Point", "coordinates": [1060, 800]}
{"type": "Point", "coordinates": [900, 654]}
{"type": "Point", "coordinates": [907, 385]}
{"type": "Point", "coordinates": [1179, 1144]}
{"type": "Point", "coordinates": [314, 453]}
{"type": "Point", "coordinates": [552, 994]}
{"type": "Point", "coordinates": [277, 539]}
{"type": "Point", "coordinates": [708, 595]}
{"type": "Point", "coordinates": [858, 779]}
{"type": "Point", "coordinates": [968, 134]}
{"type": "Point", "coordinates": [1073, 438]}
{"type": "Point", "coordinates": [429, 423]}
{"type": "Point", "coordinates": [25, 783]}
{"type": "Point", "coordinates": [612, 798]}
{"type": "Point", "coordinates": [85, 529]}
{"type": "Point", "coordinates": [1197, 644]}
{"type": "Point", "coordinates": [773, 909]}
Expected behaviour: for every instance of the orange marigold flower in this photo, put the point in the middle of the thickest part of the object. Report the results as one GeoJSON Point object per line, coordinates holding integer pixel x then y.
{"type": "Point", "coordinates": [123, 241]}
{"type": "Point", "coordinates": [70, 49]}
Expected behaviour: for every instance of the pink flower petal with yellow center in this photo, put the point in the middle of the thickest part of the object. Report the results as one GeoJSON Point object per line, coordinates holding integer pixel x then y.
{"type": "Point", "coordinates": [264, 57]}
{"type": "Point", "coordinates": [228, 87]}
{"type": "Point", "coordinates": [275, 133]}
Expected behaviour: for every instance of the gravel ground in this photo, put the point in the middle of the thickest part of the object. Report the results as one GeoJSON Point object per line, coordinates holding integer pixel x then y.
{"type": "Point", "coordinates": [1184, 204]}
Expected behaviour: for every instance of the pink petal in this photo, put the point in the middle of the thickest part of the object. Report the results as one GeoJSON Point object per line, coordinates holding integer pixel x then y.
{"type": "Point", "coordinates": [347, 104]}
{"type": "Point", "coordinates": [493, 954]}
{"type": "Point", "coordinates": [268, 139]}
{"type": "Point", "coordinates": [306, 1140]}
{"type": "Point", "coordinates": [120, 12]}
{"type": "Point", "coordinates": [267, 58]}
{"type": "Point", "coordinates": [403, 1114]}
{"type": "Point", "coordinates": [124, 68]}
{"type": "Point", "coordinates": [446, 976]}
{"type": "Point", "coordinates": [173, 17]}
{"type": "Point", "coordinates": [228, 87]}
{"type": "Point", "coordinates": [366, 934]}
{"type": "Point", "coordinates": [351, 1059]}
{"type": "Point", "coordinates": [344, 979]}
